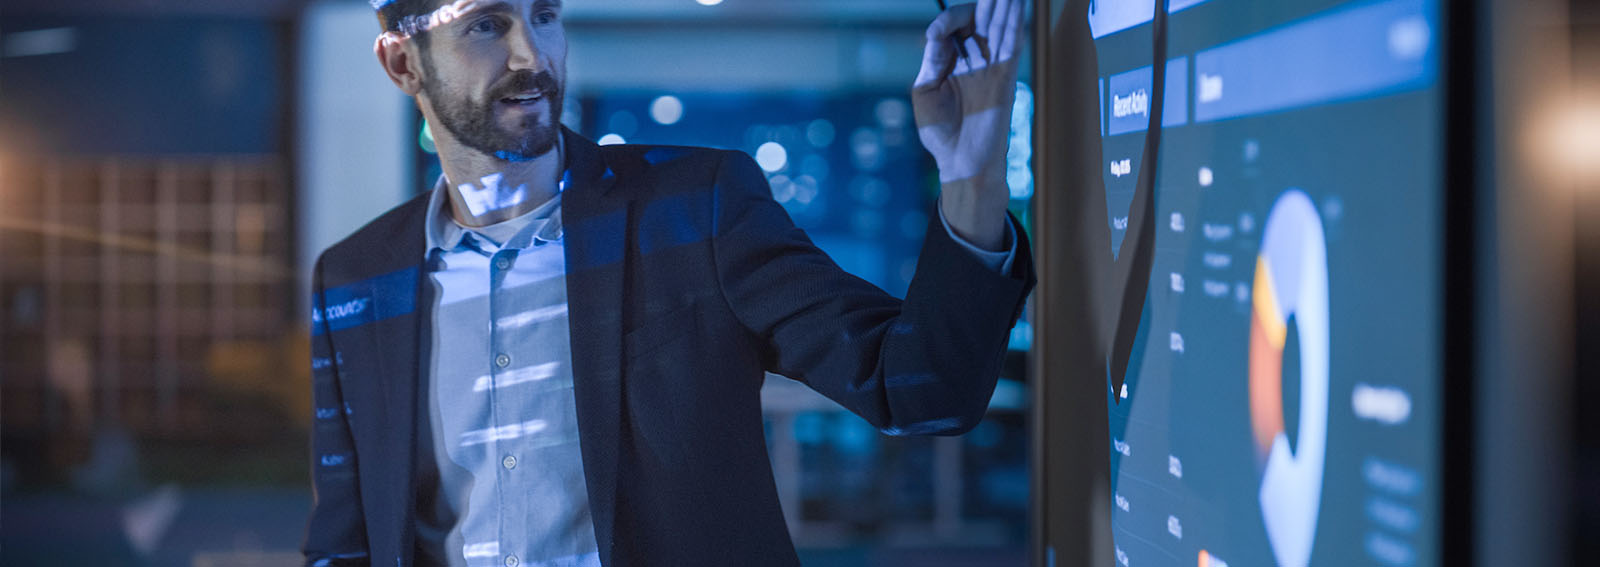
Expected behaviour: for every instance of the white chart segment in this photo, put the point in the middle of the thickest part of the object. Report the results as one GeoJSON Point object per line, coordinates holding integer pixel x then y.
{"type": "Point", "coordinates": [1291, 482]}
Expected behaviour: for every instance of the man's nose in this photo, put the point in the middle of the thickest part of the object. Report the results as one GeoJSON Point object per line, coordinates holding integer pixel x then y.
{"type": "Point", "coordinates": [524, 51]}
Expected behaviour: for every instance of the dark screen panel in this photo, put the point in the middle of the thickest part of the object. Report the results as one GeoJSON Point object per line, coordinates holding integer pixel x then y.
{"type": "Point", "coordinates": [1283, 401]}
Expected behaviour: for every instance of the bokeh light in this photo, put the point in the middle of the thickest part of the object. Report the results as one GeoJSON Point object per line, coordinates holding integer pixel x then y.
{"type": "Point", "coordinates": [666, 110]}
{"type": "Point", "coordinates": [772, 157]}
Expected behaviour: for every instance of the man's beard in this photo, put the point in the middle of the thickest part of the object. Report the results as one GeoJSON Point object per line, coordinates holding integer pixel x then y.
{"type": "Point", "coordinates": [475, 124]}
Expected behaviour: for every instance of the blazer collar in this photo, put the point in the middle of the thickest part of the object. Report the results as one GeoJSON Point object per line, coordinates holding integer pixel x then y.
{"type": "Point", "coordinates": [597, 223]}
{"type": "Point", "coordinates": [586, 164]}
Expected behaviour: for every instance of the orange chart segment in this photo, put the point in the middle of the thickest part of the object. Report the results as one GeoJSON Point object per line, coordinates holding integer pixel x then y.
{"type": "Point", "coordinates": [1268, 331]}
{"type": "Point", "coordinates": [1291, 281]}
{"type": "Point", "coordinates": [1209, 560]}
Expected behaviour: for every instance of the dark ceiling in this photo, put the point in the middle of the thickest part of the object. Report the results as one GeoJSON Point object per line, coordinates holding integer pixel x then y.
{"type": "Point", "coordinates": [269, 9]}
{"type": "Point", "coordinates": [873, 12]}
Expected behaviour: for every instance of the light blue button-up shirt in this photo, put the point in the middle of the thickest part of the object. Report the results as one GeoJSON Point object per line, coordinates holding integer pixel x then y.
{"type": "Point", "coordinates": [503, 414]}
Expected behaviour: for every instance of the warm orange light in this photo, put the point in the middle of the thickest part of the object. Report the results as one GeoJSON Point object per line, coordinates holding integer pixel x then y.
{"type": "Point", "coordinates": [1208, 560]}
{"type": "Point", "coordinates": [1567, 138]}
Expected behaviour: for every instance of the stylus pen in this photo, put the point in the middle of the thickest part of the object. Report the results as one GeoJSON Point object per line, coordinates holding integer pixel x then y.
{"type": "Point", "coordinates": [960, 49]}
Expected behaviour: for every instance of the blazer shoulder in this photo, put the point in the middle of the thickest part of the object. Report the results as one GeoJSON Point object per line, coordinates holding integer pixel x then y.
{"type": "Point", "coordinates": [373, 248]}
{"type": "Point", "coordinates": [656, 163]}
{"type": "Point", "coordinates": [648, 155]}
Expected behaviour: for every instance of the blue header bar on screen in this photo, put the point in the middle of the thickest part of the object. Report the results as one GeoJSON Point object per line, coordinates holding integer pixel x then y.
{"type": "Point", "coordinates": [1369, 49]}
{"type": "Point", "coordinates": [1130, 98]}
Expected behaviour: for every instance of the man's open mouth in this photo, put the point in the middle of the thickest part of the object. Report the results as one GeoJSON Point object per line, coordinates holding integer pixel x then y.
{"type": "Point", "coordinates": [524, 98]}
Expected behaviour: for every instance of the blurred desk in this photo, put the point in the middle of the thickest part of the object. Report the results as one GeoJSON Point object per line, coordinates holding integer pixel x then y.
{"type": "Point", "coordinates": [782, 400]}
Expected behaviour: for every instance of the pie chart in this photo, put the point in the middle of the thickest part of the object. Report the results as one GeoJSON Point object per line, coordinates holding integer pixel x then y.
{"type": "Point", "coordinates": [1291, 288]}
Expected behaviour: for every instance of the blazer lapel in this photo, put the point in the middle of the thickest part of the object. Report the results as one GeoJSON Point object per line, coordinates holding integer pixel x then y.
{"type": "Point", "coordinates": [595, 222]}
{"type": "Point", "coordinates": [400, 354]}
{"type": "Point", "coordinates": [404, 375]}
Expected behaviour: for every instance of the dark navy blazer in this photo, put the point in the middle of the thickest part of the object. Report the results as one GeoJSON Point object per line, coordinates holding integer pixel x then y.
{"type": "Point", "coordinates": [685, 281]}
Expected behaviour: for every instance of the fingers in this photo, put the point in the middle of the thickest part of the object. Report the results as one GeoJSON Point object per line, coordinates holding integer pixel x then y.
{"type": "Point", "coordinates": [975, 46]}
{"type": "Point", "coordinates": [985, 17]}
{"type": "Point", "coordinates": [995, 32]}
{"type": "Point", "coordinates": [1011, 41]}
{"type": "Point", "coordinates": [990, 31]}
{"type": "Point", "coordinates": [998, 24]}
{"type": "Point", "coordinates": [939, 56]}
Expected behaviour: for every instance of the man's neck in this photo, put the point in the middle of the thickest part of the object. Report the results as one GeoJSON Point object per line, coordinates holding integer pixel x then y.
{"type": "Point", "coordinates": [485, 190]}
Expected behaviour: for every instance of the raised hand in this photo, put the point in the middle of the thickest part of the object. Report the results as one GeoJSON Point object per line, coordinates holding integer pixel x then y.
{"type": "Point", "coordinates": [963, 112]}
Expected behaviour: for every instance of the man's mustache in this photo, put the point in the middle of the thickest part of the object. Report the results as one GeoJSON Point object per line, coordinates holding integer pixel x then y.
{"type": "Point", "coordinates": [525, 81]}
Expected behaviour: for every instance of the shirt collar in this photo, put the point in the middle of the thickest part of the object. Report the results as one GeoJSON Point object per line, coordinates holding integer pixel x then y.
{"type": "Point", "coordinates": [442, 231]}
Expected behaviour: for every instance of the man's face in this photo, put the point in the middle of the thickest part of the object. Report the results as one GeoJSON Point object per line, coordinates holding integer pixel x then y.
{"type": "Point", "coordinates": [495, 76]}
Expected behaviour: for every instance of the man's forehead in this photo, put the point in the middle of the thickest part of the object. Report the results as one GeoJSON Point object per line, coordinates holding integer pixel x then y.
{"type": "Point", "coordinates": [452, 11]}
{"type": "Point", "coordinates": [479, 4]}
{"type": "Point", "coordinates": [460, 8]}
{"type": "Point", "coordinates": [504, 5]}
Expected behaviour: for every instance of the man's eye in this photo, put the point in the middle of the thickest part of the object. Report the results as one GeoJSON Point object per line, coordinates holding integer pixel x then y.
{"type": "Point", "coordinates": [544, 17]}
{"type": "Point", "coordinates": [486, 25]}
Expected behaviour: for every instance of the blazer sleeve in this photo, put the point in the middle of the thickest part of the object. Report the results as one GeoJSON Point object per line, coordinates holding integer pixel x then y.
{"type": "Point", "coordinates": [336, 531]}
{"type": "Point", "coordinates": [924, 366]}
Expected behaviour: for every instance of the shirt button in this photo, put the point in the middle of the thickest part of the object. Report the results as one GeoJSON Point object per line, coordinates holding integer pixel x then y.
{"type": "Point", "coordinates": [511, 561]}
{"type": "Point", "coordinates": [502, 361]}
{"type": "Point", "coordinates": [510, 462]}
{"type": "Point", "coordinates": [502, 263]}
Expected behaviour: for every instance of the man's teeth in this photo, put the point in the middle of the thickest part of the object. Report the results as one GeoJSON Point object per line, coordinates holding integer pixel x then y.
{"type": "Point", "coordinates": [524, 97]}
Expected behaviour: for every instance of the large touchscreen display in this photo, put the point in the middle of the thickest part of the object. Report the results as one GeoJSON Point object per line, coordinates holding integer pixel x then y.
{"type": "Point", "coordinates": [1282, 406]}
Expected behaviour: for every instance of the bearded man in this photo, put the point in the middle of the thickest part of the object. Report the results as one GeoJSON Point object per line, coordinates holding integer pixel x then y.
{"type": "Point", "coordinates": [555, 357]}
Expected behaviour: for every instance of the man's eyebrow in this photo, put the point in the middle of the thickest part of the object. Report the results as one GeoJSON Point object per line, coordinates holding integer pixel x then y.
{"type": "Point", "coordinates": [489, 8]}
{"type": "Point", "coordinates": [501, 7]}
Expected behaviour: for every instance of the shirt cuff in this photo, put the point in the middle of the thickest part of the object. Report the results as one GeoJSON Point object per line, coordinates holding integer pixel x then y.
{"type": "Point", "coordinates": [997, 261]}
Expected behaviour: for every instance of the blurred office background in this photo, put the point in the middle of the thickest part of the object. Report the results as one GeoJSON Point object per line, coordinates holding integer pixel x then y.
{"type": "Point", "coordinates": [169, 169]}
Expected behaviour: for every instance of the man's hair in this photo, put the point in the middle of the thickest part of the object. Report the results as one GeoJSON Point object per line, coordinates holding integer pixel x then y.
{"type": "Point", "coordinates": [391, 14]}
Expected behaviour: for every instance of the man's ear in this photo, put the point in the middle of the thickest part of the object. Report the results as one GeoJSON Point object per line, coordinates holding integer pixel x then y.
{"type": "Point", "coordinates": [401, 59]}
